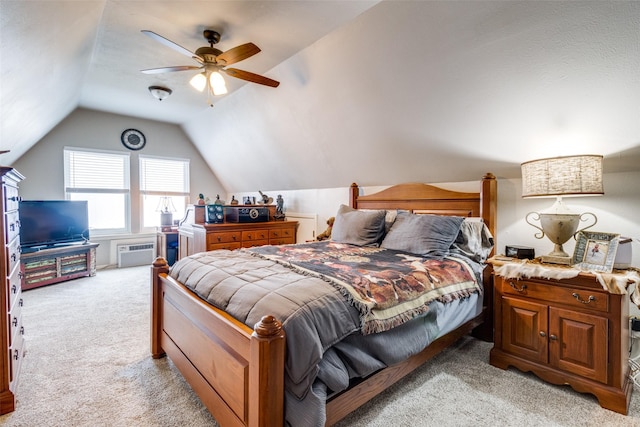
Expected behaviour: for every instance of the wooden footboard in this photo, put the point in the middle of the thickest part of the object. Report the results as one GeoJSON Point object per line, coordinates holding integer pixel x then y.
{"type": "Point", "coordinates": [238, 373]}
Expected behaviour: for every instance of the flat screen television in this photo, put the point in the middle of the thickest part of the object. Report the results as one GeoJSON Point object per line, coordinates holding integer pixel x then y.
{"type": "Point", "coordinates": [47, 223]}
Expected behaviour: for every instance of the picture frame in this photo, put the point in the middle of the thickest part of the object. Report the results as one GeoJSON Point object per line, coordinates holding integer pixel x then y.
{"type": "Point", "coordinates": [595, 251]}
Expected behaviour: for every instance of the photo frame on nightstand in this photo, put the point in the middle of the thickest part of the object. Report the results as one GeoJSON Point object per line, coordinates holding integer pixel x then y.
{"type": "Point", "coordinates": [595, 251]}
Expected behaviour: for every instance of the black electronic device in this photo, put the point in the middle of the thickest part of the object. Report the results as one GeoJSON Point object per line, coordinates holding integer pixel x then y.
{"type": "Point", "coordinates": [214, 214]}
{"type": "Point", "coordinates": [519, 252]}
{"type": "Point", "coordinates": [246, 214]}
{"type": "Point", "coordinates": [49, 223]}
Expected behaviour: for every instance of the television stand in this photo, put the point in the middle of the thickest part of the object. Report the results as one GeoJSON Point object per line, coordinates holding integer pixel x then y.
{"type": "Point", "coordinates": [57, 264]}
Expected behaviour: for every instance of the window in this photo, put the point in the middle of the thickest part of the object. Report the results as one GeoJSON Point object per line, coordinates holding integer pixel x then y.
{"type": "Point", "coordinates": [163, 180]}
{"type": "Point", "coordinates": [101, 178]}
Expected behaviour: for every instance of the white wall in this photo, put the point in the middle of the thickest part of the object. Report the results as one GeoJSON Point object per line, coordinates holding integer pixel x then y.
{"type": "Point", "coordinates": [43, 165]}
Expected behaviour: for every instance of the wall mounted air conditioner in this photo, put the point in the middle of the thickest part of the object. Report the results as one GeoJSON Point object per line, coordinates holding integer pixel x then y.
{"type": "Point", "coordinates": [134, 254]}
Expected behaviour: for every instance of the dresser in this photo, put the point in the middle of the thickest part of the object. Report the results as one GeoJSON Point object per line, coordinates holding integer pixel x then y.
{"type": "Point", "coordinates": [11, 329]}
{"type": "Point", "coordinates": [197, 236]}
{"type": "Point", "coordinates": [569, 331]}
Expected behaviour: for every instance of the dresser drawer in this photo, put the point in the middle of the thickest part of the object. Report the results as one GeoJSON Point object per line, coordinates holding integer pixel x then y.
{"type": "Point", "coordinates": [13, 255]}
{"type": "Point", "coordinates": [11, 198]}
{"type": "Point", "coordinates": [251, 235]}
{"type": "Point", "coordinates": [16, 353]}
{"type": "Point", "coordinates": [252, 243]}
{"type": "Point", "coordinates": [15, 322]}
{"type": "Point", "coordinates": [229, 246]}
{"type": "Point", "coordinates": [282, 233]}
{"type": "Point", "coordinates": [223, 237]}
{"type": "Point", "coordinates": [13, 225]}
{"type": "Point", "coordinates": [14, 287]}
{"type": "Point", "coordinates": [581, 298]}
{"type": "Point", "coordinates": [281, 241]}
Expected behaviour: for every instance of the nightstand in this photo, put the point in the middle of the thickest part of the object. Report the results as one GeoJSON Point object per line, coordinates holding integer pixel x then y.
{"type": "Point", "coordinates": [566, 331]}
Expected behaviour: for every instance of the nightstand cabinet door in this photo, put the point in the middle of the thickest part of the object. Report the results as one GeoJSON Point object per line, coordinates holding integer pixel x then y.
{"type": "Point", "coordinates": [524, 329]}
{"type": "Point", "coordinates": [580, 345]}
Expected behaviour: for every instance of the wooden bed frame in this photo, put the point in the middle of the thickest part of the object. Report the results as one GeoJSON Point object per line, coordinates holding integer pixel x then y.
{"type": "Point", "coordinates": [238, 372]}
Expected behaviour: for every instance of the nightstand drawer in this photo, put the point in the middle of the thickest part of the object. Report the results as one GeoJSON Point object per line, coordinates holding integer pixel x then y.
{"type": "Point", "coordinates": [582, 298]}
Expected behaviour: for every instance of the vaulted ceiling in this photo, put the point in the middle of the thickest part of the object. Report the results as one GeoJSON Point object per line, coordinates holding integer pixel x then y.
{"type": "Point", "coordinates": [374, 92]}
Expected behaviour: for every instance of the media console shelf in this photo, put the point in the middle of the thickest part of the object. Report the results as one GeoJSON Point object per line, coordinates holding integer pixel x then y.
{"type": "Point", "coordinates": [54, 265]}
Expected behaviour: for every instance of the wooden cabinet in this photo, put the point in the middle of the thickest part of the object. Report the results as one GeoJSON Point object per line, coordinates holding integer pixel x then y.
{"type": "Point", "coordinates": [197, 236]}
{"type": "Point", "coordinates": [11, 328]}
{"type": "Point", "coordinates": [568, 331]}
{"type": "Point", "coordinates": [49, 266]}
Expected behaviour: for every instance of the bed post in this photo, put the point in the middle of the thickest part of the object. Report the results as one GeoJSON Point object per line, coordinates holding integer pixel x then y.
{"type": "Point", "coordinates": [159, 265]}
{"type": "Point", "coordinates": [354, 192]}
{"type": "Point", "coordinates": [489, 203]}
{"type": "Point", "coordinates": [266, 376]}
{"type": "Point", "coordinates": [489, 214]}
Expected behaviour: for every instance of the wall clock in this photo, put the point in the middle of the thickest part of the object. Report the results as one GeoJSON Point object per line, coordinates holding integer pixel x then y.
{"type": "Point", "coordinates": [133, 139]}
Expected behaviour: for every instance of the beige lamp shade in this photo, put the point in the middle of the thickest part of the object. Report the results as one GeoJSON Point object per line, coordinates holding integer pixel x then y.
{"type": "Point", "coordinates": [563, 176]}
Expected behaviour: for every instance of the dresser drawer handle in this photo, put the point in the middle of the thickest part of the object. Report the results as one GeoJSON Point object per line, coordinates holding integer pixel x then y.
{"type": "Point", "coordinates": [16, 354]}
{"type": "Point", "coordinates": [516, 288]}
{"type": "Point", "coordinates": [577, 297]}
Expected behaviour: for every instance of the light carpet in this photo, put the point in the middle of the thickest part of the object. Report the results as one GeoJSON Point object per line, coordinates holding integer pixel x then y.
{"type": "Point", "coordinates": [88, 364]}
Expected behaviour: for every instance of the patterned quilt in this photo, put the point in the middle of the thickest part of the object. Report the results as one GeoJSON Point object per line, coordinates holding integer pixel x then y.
{"type": "Point", "coordinates": [388, 287]}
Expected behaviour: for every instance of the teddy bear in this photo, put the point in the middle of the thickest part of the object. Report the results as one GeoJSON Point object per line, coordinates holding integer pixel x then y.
{"type": "Point", "coordinates": [326, 234]}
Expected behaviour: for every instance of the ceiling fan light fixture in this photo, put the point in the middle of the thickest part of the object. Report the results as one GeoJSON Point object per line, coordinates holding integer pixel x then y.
{"type": "Point", "coordinates": [217, 83]}
{"type": "Point", "coordinates": [160, 92]}
{"type": "Point", "coordinates": [199, 81]}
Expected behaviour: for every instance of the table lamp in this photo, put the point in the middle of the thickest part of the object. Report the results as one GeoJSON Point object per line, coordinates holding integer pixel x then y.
{"type": "Point", "coordinates": [166, 209]}
{"type": "Point", "coordinates": [557, 177]}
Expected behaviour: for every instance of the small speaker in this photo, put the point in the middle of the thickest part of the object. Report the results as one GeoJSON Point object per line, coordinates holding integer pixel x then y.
{"type": "Point", "coordinates": [214, 214]}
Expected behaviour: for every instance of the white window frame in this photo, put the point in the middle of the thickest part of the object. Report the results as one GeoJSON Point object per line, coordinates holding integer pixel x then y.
{"type": "Point", "coordinates": [164, 190]}
{"type": "Point", "coordinates": [125, 190]}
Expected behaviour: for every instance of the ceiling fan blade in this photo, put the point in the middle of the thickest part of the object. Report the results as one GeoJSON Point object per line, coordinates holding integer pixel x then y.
{"type": "Point", "coordinates": [172, 45]}
{"type": "Point", "coordinates": [251, 77]}
{"type": "Point", "coordinates": [238, 53]}
{"type": "Point", "coordinates": [170, 69]}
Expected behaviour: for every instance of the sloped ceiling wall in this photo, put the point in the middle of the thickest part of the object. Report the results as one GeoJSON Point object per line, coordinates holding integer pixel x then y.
{"type": "Point", "coordinates": [429, 91]}
{"type": "Point", "coordinates": [435, 92]}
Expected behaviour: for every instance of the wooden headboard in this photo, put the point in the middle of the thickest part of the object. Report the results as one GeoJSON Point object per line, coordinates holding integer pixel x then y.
{"type": "Point", "coordinates": [423, 198]}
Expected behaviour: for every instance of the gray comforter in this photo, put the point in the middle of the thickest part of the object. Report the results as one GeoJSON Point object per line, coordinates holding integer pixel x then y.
{"type": "Point", "coordinates": [325, 347]}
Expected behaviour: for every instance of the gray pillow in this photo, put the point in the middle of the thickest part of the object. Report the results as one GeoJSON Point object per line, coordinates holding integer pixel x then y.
{"type": "Point", "coordinates": [358, 227]}
{"type": "Point", "coordinates": [429, 235]}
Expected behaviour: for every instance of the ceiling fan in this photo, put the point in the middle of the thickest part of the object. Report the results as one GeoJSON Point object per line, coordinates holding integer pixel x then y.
{"type": "Point", "coordinates": [212, 61]}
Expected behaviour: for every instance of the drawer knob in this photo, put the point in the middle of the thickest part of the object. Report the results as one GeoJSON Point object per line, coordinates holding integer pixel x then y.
{"type": "Point", "coordinates": [542, 334]}
{"type": "Point", "coordinates": [577, 297]}
{"type": "Point", "coordinates": [553, 337]}
{"type": "Point", "coordinates": [518, 289]}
